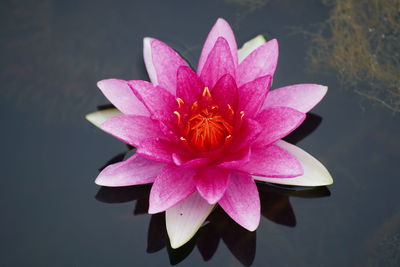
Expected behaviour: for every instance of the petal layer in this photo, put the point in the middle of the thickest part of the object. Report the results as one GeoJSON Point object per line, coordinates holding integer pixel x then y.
{"type": "Point", "coordinates": [211, 183]}
{"type": "Point", "coordinates": [99, 117]}
{"type": "Point", "coordinates": [184, 219]}
{"type": "Point", "coordinates": [269, 161]}
{"type": "Point", "coordinates": [225, 91]}
{"type": "Point", "coordinates": [261, 62]}
{"type": "Point", "coordinates": [133, 171]}
{"type": "Point", "coordinates": [241, 201]}
{"type": "Point", "coordinates": [158, 150]}
{"type": "Point", "coordinates": [220, 29]}
{"type": "Point", "coordinates": [189, 86]}
{"type": "Point", "coordinates": [162, 63]}
{"type": "Point", "coordinates": [157, 100]}
{"type": "Point", "coordinates": [252, 95]}
{"type": "Point", "coordinates": [219, 63]}
{"type": "Point", "coordinates": [315, 174]}
{"type": "Point", "coordinates": [250, 46]}
{"type": "Point", "coordinates": [119, 94]}
{"type": "Point", "coordinates": [171, 186]}
{"type": "Point", "coordinates": [131, 129]}
{"type": "Point", "coordinates": [302, 97]}
{"type": "Point", "coordinates": [277, 122]}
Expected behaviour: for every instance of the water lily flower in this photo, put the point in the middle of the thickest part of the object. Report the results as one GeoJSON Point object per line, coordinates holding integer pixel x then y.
{"type": "Point", "coordinates": [204, 137]}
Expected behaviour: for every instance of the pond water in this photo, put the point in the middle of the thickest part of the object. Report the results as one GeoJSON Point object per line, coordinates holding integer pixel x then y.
{"type": "Point", "coordinates": [54, 52]}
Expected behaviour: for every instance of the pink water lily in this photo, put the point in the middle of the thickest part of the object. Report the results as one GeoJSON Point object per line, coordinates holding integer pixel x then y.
{"type": "Point", "coordinates": [203, 138]}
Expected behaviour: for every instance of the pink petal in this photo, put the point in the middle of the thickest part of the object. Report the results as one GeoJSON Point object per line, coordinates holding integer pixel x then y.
{"type": "Point", "coordinates": [241, 201]}
{"type": "Point", "coordinates": [160, 102]}
{"type": "Point", "coordinates": [225, 91]}
{"type": "Point", "coordinates": [277, 122]}
{"type": "Point", "coordinates": [269, 161]}
{"type": "Point", "coordinates": [315, 174]}
{"type": "Point", "coordinates": [219, 63]}
{"type": "Point", "coordinates": [220, 29]}
{"type": "Point", "coordinates": [171, 186]}
{"type": "Point", "coordinates": [131, 129]}
{"type": "Point", "coordinates": [158, 150]}
{"type": "Point", "coordinates": [189, 86]}
{"type": "Point", "coordinates": [302, 97]}
{"type": "Point", "coordinates": [238, 157]}
{"type": "Point", "coordinates": [188, 162]}
{"type": "Point", "coordinates": [248, 133]}
{"type": "Point", "coordinates": [211, 183]}
{"type": "Point", "coordinates": [120, 94]}
{"type": "Point", "coordinates": [185, 218]}
{"type": "Point", "coordinates": [252, 95]}
{"type": "Point", "coordinates": [162, 63]}
{"type": "Point", "coordinates": [133, 171]}
{"type": "Point", "coordinates": [260, 62]}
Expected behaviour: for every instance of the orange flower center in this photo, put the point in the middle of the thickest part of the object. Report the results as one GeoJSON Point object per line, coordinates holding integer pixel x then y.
{"type": "Point", "coordinates": [208, 130]}
{"type": "Point", "coordinates": [205, 127]}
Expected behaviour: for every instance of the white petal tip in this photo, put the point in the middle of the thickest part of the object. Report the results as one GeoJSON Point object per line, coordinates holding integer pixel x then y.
{"type": "Point", "coordinates": [147, 40]}
{"type": "Point", "coordinates": [185, 219]}
{"type": "Point", "coordinates": [99, 117]}
{"type": "Point", "coordinates": [250, 46]}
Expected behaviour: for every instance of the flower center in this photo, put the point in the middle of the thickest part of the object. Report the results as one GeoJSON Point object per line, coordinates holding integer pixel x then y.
{"type": "Point", "coordinates": [205, 127]}
{"type": "Point", "coordinates": [208, 130]}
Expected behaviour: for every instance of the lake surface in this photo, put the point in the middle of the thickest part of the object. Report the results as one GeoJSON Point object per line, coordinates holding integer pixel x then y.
{"type": "Point", "coordinates": [53, 53]}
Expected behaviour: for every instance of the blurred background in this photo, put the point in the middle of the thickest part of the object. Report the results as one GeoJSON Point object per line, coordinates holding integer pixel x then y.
{"type": "Point", "coordinates": [52, 54]}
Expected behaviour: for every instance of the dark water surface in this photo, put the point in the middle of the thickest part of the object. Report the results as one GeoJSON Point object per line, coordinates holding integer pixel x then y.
{"type": "Point", "coordinates": [53, 53]}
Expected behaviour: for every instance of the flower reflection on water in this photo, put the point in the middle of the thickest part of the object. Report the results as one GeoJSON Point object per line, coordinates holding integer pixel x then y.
{"type": "Point", "coordinates": [242, 243]}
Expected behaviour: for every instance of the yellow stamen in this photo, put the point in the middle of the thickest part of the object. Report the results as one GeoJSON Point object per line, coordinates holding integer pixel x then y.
{"type": "Point", "coordinates": [231, 109]}
{"type": "Point", "coordinates": [178, 115]}
{"type": "Point", "coordinates": [206, 92]}
{"type": "Point", "coordinates": [180, 102]}
{"type": "Point", "coordinates": [241, 114]}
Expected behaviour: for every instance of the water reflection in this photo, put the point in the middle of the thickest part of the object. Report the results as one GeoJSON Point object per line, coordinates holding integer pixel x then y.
{"type": "Point", "coordinates": [361, 41]}
{"type": "Point", "coordinates": [275, 206]}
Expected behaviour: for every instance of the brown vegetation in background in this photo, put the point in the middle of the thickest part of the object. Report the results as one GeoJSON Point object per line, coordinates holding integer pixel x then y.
{"type": "Point", "coordinates": [361, 40]}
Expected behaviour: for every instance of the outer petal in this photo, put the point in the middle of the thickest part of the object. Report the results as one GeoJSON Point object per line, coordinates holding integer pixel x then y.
{"type": "Point", "coordinates": [260, 62]}
{"type": "Point", "coordinates": [188, 162]}
{"type": "Point", "coordinates": [158, 101]}
{"type": "Point", "coordinates": [119, 94]}
{"type": "Point", "coordinates": [131, 129]}
{"type": "Point", "coordinates": [241, 201]}
{"type": "Point", "coordinates": [252, 95]}
{"type": "Point", "coordinates": [302, 97]}
{"type": "Point", "coordinates": [269, 161]}
{"type": "Point", "coordinates": [315, 174]}
{"type": "Point", "coordinates": [162, 63]}
{"type": "Point", "coordinates": [133, 171]}
{"type": "Point", "coordinates": [220, 29]}
{"type": "Point", "coordinates": [219, 63]}
{"type": "Point", "coordinates": [211, 183]}
{"type": "Point", "coordinates": [184, 219]}
{"type": "Point", "coordinates": [99, 117]}
{"type": "Point", "coordinates": [158, 150]}
{"type": "Point", "coordinates": [250, 46]}
{"type": "Point", "coordinates": [171, 186]}
{"type": "Point", "coordinates": [189, 86]}
{"type": "Point", "coordinates": [277, 122]}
